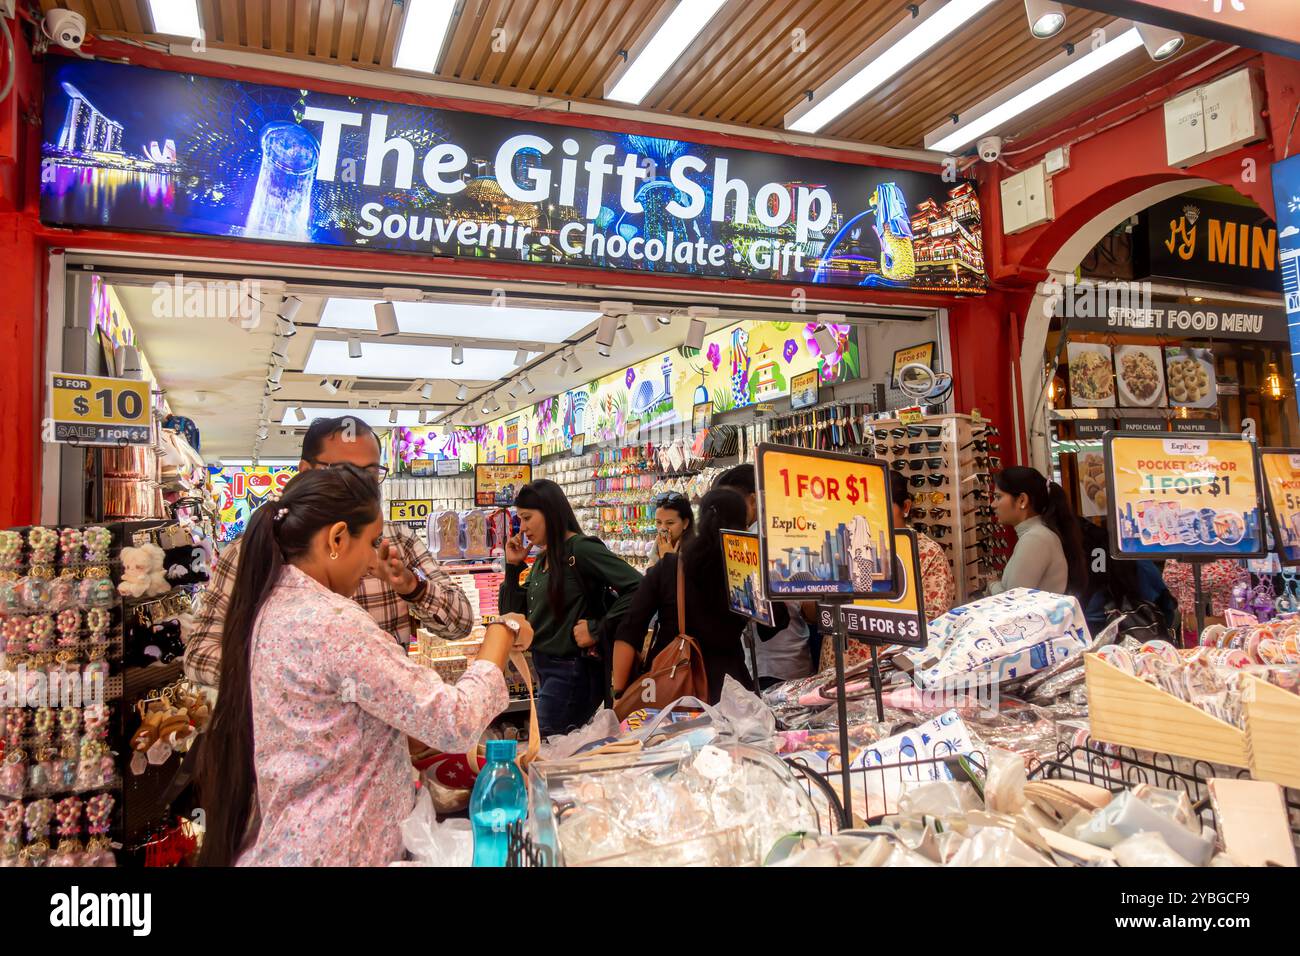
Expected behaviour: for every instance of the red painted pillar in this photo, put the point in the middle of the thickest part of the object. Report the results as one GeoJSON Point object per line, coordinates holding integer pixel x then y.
{"type": "Point", "coordinates": [22, 296]}
{"type": "Point", "coordinates": [22, 332]}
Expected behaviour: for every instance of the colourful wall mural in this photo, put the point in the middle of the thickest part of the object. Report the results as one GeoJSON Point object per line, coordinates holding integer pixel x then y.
{"type": "Point", "coordinates": [243, 489]}
{"type": "Point", "coordinates": [742, 365]}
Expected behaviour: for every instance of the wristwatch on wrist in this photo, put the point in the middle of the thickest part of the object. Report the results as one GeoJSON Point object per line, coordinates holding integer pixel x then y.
{"type": "Point", "coordinates": [513, 625]}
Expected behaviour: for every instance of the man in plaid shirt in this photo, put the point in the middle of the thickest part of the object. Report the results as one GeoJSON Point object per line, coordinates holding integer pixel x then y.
{"type": "Point", "coordinates": [408, 582]}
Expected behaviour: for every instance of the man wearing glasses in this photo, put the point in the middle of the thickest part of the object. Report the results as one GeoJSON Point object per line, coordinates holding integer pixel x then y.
{"type": "Point", "coordinates": [407, 583]}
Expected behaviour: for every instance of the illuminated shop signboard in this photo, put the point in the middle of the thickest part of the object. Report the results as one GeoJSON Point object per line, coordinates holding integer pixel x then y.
{"type": "Point", "coordinates": [131, 148]}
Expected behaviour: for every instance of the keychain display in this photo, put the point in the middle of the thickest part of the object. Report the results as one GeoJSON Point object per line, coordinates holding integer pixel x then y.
{"type": "Point", "coordinates": [16, 632]}
{"type": "Point", "coordinates": [69, 626]}
{"type": "Point", "coordinates": [11, 550]}
{"type": "Point", "coordinates": [72, 543]}
{"type": "Point", "coordinates": [41, 633]}
{"type": "Point", "coordinates": [98, 541]}
{"type": "Point", "coordinates": [42, 543]}
{"type": "Point", "coordinates": [67, 813]}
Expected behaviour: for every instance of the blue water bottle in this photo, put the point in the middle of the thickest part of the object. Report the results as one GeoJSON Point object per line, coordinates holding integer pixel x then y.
{"type": "Point", "coordinates": [499, 799]}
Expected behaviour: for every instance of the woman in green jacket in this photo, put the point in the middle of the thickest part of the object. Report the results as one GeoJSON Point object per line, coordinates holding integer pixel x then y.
{"type": "Point", "coordinates": [567, 602]}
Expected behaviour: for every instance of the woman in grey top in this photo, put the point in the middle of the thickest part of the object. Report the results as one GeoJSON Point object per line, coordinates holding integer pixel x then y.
{"type": "Point", "coordinates": [1048, 553]}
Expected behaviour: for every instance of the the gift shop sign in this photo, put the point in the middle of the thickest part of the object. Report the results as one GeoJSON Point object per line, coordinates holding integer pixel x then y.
{"type": "Point", "coordinates": [1184, 496]}
{"type": "Point", "coordinates": [318, 168]}
{"type": "Point", "coordinates": [87, 410]}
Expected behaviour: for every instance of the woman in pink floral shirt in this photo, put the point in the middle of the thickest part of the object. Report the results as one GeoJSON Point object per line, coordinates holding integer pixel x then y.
{"type": "Point", "coordinates": [307, 762]}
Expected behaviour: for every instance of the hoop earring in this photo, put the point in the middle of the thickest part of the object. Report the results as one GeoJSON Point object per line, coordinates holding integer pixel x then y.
{"type": "Point", "coordinates": [334, 555]}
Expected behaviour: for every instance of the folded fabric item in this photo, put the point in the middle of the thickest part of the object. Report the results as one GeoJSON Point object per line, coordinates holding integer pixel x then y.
{"type": "Point", "coordinates": [1000, 638]}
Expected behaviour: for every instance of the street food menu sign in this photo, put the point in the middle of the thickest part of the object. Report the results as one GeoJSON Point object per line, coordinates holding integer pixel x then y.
{"type": "Point", "coordinates": [1281, 470]}
{"type": "Point", "coordinates": [826, 525]}
{"type": "Point", "coordinates": [1184, 496]}
{"type": "Point", "coordinates": [744, 583]}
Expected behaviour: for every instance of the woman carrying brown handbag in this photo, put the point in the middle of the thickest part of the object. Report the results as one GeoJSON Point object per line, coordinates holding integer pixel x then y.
{"type": "Point", "coordinates": [709, 620]}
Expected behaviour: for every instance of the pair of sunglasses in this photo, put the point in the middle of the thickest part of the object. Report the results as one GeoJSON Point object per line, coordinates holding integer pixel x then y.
{"type": "Point", "coordinates": [668, 497]}
{"type": "Point", "coordinates": [988, 462]}
{"type": "Point", "coordinates": [916, 431]}
{"type": "Point", "coordinates": [917, 447]}
{"type": "Point", "coordinates": [933, 530]}
{"type": "Point", "coordinates": [985, 510]}
{"type": "Point", "coordinates": [935, 497]}
{"type": "Point", "coordinates": [932, 512]}
{"type": "Point", "coordinates": [992, 562]}
{"type": "Point", "coordinates": [918, 481]}
{"type": "Point", "coordinates": [916, 464]}
{"type": "Point", "coordinates": [979, 494]}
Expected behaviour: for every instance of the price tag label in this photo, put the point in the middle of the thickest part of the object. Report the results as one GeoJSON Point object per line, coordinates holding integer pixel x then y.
{"type": "Point", "coordinates": [88, 410]}
{"type": "Point", "coordinates": [911, 416]}
{"type": "Point", "coordinates": [410, 510]}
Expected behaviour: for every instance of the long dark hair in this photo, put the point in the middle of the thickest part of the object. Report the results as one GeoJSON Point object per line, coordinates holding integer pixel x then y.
{"type": "Point", "coordinates": [278, 532]}
{"type": "Point", "coordinates": [678, 502]}
{"type": "Point", "coordinates": [702, 560]}
{"type": "Point", "coordinates": [1047, 498]}
{"type": "Point", "coordinates": [547, 497]}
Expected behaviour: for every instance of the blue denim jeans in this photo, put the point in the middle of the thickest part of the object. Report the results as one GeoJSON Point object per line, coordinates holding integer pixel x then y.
{"type": "Point", "coordinates": [570, 689]}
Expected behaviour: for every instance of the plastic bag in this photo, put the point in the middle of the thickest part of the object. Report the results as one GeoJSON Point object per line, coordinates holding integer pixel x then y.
{"type": "Point", "coordinates": [1004, 790]}
{"type": "Point", "coordinates": [1147, 848]}
{"type": "Point", "coordinates": [603, 726]}
{"type": "Point", "coordinates": [995, 846]}
{"type": "Point", "coordinates": [749, 719]}
{"type": "Point", "coordinates": [942, 798]}
{"type": "Point", "coordinates": [430, 843]}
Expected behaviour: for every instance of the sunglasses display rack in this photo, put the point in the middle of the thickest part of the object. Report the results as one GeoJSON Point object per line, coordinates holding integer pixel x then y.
{"type": "Point", "coordinates": [948, 461]}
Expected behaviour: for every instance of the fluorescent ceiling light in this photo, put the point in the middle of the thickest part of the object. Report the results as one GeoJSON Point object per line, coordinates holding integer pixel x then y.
{"type": "Point", "coordinates": [885, 58]}
{"type": "Point", "coordinates": [391, 360]}
{"type": "Point", "coordinates": [424, 30]}
{"type": "Point", "coordinates": [453, 319]}
{"type": "Point", "coordinates": [374, 417]}
{"type": "Point", "coordinates": [1046, 18]}
{"type": "Point", "coordinates": [674, 35]}
{"type": "Point", "coordinates": [1058, 77]}
{"type": "Point", "coordinates": [176, 17]}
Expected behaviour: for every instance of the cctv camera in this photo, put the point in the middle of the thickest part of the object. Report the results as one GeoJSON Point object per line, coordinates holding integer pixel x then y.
{"type": "Point", "coordinates": [990, 148]}
{"type": "Point", "coordinates": [65, 28]}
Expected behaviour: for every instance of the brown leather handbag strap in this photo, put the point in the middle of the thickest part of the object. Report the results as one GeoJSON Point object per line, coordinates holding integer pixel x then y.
{"type": "Point", "coordinates": [681, 598]}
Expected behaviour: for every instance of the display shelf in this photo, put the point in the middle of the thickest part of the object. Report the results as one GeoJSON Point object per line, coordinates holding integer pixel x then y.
{"type": "Point", "coordinates": [1273, 733]}
{"type": "Point", "coordinates": [1126, 710]}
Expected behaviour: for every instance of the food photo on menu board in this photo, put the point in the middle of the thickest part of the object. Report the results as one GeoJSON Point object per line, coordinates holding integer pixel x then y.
{"type": "Point", "coordinates": [1190, 376]}
{"type": "Point", "coordinates": [1281, 470]}
{"type": "Point", "coordinates": [1092, 377]}
{"type": "Point", "coordinates": [1140, 376]}
{"type": "Point", "coordinates": [744, 583]}
{"type": "Point", "coordinates": [1091, 466]}
{"type": "Point", "coordinates": [1176, 496]}
{"type": "Point", "coordinates": [826, 526]}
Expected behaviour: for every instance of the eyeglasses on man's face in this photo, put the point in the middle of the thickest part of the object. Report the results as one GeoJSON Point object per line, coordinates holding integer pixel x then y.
{"type": "Point", "coordinates": [377, 472]}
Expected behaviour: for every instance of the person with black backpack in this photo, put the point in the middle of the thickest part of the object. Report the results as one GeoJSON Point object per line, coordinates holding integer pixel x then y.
{"type": "Point", "coordinates": [573, 596]}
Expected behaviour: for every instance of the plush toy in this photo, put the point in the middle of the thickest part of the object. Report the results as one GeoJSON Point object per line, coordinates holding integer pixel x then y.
{"type": "Point", "coordinates": [142, 572]}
